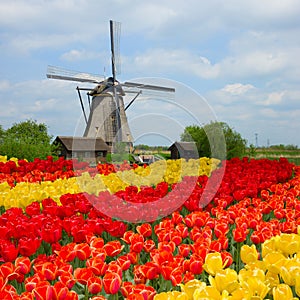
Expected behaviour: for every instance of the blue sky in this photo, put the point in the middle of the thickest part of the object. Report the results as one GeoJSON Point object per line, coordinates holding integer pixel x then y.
{"type": "Point", "coordinates": [234, 61]}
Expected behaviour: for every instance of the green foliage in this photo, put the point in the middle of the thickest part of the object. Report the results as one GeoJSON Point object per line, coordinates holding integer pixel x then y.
{"type": "Point", "coordinates": [284, 147]}
{"type": "Point", "coordinates": [215, 139]}
{"type": "Point", "coordinates": [252, 150]}
{"type": "Point", "coordinates": [27, 139]}
{"type": "Point", "coordinates": [120, 153]}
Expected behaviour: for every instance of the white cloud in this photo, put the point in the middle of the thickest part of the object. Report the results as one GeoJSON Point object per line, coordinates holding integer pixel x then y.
{"type": "Point", "coordinates": [82, 55]}
{"type": "Point", "coordinates": [237, 88]}
{"type": "Point", "coordinates": [179, 60]}
{"type": "Point", "coordinates": [269, 113]}
{"type": "Point", "coordinates": [273, 99]}
{"type": "Point", "coordinates": [4, 85]}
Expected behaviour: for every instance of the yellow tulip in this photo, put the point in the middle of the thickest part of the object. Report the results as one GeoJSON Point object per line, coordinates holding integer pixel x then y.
{"type": "Point", "coordinates": [258, 274]}
{"type": "Point", "coordinates": [225, 280]}
{"type": "Point", "coordinates": [258, 264]}
{"type": "Point", "coordinates": [3, 158]}
{"type": "Point", "coordinates": [239, 294]}
{"type": "Point", "coordinates": [248, 254]}
{"type": "Point", "coordinates": [209, 292]}
{"type": "Point", "coordinates": [274, 261]}
{"type": "Point", "coordinates": [174, 295]}
{"type": "Point", "coordinates": [255, 287]}
{"type": "Point", "coordinates": [288, 244]}
{"type": "Point", "coordinates": [282, 291]}
{"type": "Point", "coordinates": [213, 263]}
{"type": "Point", "coordinates": [272, 279]}
{"type": "Point", "coordinates": [290, 270]}
{"type": "Point", "coordinates": [190, 287]}
{"type": "Point", "coordinates": [297, 285]}
{"type": "Point", "coordinates": [268, 246]}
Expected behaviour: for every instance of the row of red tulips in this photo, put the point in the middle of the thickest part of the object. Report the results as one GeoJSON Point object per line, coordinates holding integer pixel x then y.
{"type": "Point", "coordinates": [14, 171]}
{"type": "Point", "coordinates": [61, 252]}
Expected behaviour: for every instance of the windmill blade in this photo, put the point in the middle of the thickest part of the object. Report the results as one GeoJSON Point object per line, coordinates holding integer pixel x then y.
{"type": "Point", "coordinates": [65, 74]}
{"type": "Point", "coordinates": [148, 87]}
{"type": "Point", "coordinates": [115, 32]}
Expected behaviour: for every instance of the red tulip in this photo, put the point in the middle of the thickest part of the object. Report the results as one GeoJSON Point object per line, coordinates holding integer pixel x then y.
{"type": "Point", "coordinates": [97, 265]}
{"type": "Point", "coordinates": [7, 271]}
{"type": "Point", "coordinates": [196, 264]}
{"type": "Point", "coordinates": [184, 250]}
{"type": "Point", "coordinates": [221, 228]}
{"type": "Point", "coordinates": [176, 238]}
{"type": "Point", "coordinates": [26, 296]}
{"type": "Point", "coordinates": [60, 291]}
{"type": "Point", "coordinates": [33, 209]}
{"type": "Point", "coordinates": [51, 232]}
{"type": "Point", "coordinates": [226, 258]}
{"type": "Point", "coordinates": [149, 270]}
{"type": "Point", "coordinates": [133, 257]}
{"type": "Point", "coordinates": [145, 230]}
{"type": "Point", "coordinates": [43, 291]}
{"type": "Point", "coordinates": [149, 245]}
{"type": "Point", "coordinates": [49, 271]}
{"type": "Point", "coordinates": [215, 246]}
{"type": "Point", "coordinates": [72, 295]}
{"type": "Point", "coordinates": [82, 275]}
{"type": "Point", "coordinates": [94, 285]}
{"type": "Point", "coordinates": [83, 251]}
{"type": "Point", "coordinates": [240, 234]}
{"type": "Point", "coordinates": [182, 230]}
{"type": "Point", "coordinates": [67, 253]}
{"type": "Point", "coordinates": [124, 262]}
{"type": "Point", "coordinates": [31, 282]}
{"type": "Point", "coordinates": [135, 296]}
{"type": "Point", "coordinates": [67, 280]}
{"type": "Point", "coordinates": [8, 251]}
{"type": "Point", "coordinates": [98, 298]}
{"type": "Point", "coordinates": [126, 288]}
{"type": "Point", "coordinates": [112, 283]}
{"type": "Point", "coordinates": [28, 246]}
{"type": "Point", "coordinates": [113, 248]}
{"type": "Point", "coordinates": [96, 242]}
{"type": "Point", "coordinates": [188, 276]}
{"type": "Point", "coordinates": [176, 276]}
{"type": "Point", "coordinates": [137, 243]}
{"type": "Point", "coordinates": [166, 271]}
{"type": "Point", "coordinates": [114, 267]}
{"type": "Point", "coordinates": [128, 236]}
{"type": "Point", "coordinates": [139, 277]}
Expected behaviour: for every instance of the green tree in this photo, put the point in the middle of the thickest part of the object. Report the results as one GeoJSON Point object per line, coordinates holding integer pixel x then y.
{"type": "Point", "coordinates": [27, 139]}
{"type": "Point", "coordinates": [2, 132]}
{"type": "Point", "coordinates": [216, 139]}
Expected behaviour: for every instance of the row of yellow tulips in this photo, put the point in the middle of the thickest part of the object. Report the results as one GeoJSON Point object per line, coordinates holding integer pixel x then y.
{"type": "Point", "coordinates": [170, 171]}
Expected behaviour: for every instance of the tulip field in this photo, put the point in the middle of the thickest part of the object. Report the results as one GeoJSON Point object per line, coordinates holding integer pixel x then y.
{"type": "Point", "coordinates": [174, 229]}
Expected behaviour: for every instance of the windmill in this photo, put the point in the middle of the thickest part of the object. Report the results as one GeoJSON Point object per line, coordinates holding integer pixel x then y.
{"type": "Point", "coordinates": [106, 117]}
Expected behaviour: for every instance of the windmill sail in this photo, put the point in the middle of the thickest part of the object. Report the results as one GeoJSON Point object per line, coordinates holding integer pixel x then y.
{"type": "Point", "coordinates": [65, 74]}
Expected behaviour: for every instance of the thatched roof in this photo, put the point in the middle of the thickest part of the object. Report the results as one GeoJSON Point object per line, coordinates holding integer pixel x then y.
{"type": "Point", "coordinates": [72, 143]}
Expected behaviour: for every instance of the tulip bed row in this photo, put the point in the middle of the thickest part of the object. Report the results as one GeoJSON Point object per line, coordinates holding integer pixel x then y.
{"type": "Point", "coordinates": [77, 243]}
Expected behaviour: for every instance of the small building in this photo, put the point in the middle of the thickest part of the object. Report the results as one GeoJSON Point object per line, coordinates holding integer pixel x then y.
{"type": "Point", "coordinates": [92, 150]}
{"type": "Point", "coordinates": [185, 150]}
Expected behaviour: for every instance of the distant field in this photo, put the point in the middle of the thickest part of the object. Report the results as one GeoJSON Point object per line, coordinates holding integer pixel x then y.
{"type": "Point", "coordinates": [292, 155]}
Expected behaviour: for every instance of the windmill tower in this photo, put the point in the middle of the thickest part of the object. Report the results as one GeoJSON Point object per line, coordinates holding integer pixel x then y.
{"type": "Point", "coordinates": [106, 118]}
